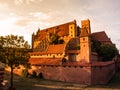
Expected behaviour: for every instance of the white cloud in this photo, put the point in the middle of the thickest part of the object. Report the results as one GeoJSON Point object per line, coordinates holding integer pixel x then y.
{"type": "Point", "coordinates": [19, 2]}
{"type": "Point", "coordinates": [39, 15]}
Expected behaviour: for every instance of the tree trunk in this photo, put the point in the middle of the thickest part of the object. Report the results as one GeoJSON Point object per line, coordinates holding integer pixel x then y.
{"type": "Point", "coordinates": [11, 79]}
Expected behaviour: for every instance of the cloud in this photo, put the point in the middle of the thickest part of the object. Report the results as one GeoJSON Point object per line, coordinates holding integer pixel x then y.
{"type": "Point", "coordinates": [39, 15]}
{"type": "Point", "coordinates": [19, 2]}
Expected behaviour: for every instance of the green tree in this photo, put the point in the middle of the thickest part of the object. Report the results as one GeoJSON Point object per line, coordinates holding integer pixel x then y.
{"type": "Point", "coordinates": [95, 46]}
{"type": "Point", "coordinates": [105, 51]}
{"type": "Point", "coordinates": [108, 52]}
{"type": "Point", "coordinates": [14, 52]}
{"type": "Point", "coordinates": [55, 39]}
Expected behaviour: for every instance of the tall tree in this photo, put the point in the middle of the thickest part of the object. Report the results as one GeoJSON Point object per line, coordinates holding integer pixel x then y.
{"type": "Point", "coordinates": [14, 52]}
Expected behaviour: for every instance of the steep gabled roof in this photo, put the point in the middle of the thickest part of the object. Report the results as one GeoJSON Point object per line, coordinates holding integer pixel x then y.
{"type": "Point", "coordinates": [60, 48]}
{"type": "Point", "coordinates": [52, 49]}
{"type": "Point", "coordinates": [101, 36]}
{"type": "Point", "coordinates": [63, 30]}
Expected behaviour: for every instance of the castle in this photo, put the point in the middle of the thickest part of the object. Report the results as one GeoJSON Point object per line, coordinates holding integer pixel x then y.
{"type": "Point", "coordinates": [63, 53]}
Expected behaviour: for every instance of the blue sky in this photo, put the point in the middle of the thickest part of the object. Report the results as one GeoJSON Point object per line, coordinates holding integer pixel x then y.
{"type": "Point", "coordinates": [23, 17]}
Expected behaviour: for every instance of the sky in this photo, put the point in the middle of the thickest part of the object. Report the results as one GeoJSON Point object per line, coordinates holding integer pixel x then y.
{"type": "Point", "coordinates": [23, 17]}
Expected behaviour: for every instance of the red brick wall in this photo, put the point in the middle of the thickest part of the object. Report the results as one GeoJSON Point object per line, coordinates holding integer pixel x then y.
{"type": "Point", "coordinates": [95, 73]}
{"type": "Point", "coordinates": [67, 74]}
{"type": "Point", "coordinates": [102, 73]}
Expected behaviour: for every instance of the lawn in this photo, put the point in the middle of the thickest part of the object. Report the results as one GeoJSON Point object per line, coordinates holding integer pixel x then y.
{"type": "Point", "coordinates": [41, 84]}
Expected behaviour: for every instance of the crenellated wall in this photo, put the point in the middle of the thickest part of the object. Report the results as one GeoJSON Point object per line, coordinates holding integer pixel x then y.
{"type": "Point", "coordinates": [90, 74]}
{"type": "Point", "coordinates": [102, 72]}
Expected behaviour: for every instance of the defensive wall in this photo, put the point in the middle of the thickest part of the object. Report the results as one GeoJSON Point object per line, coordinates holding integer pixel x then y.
{"type": "Point", "coordinates": [85, 73]}
{"type": "Point", "coordinates": [82, 73]}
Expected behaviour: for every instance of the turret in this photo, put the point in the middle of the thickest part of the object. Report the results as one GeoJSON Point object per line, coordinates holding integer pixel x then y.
{"type": "Point", "coordinates": [85, 42]}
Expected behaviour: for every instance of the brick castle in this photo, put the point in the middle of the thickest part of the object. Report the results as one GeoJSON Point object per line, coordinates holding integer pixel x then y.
{"type": "Point", "coordinates": [72, 60]}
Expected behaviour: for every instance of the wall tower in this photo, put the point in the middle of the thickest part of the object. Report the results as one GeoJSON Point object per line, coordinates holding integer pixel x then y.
{"type": "Point", "coordinates": [85, 42]}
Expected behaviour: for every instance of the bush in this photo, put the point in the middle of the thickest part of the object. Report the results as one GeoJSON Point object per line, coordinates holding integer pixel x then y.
{"type": "Point", "coordinates": [40, 75]}
{"type": "Point", "coordinates": [34, 74]}
{"type": "Point", "coordinates": [25, 73]}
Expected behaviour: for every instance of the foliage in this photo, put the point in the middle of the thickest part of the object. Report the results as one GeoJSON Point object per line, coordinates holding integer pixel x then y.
{"type": "Point", "coordinates": [34, 74]}
{"type": "Point", "coordinates": [105, 51]}
{"type": "Point", "coordinates": [55, 39]}
{"type": "Point", "coordinates": [40, 75]}
{"type": "Point", "coordinates": [14, 52]}
{"type": "Point", "coordinates": [77, 47]}
{"type": "Point", "coordinates": [25, 73]}
{"type": "Point", "coordinates": [108, 52]}
{"type": "Point", "coordinates": [95, 46]}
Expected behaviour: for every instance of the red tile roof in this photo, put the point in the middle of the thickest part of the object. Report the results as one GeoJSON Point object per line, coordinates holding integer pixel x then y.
{"type": "Point", "coordinates": [52, 49]}
{"type": "Point", "coordinates": [101, 36]}
{"type": "Point", "coordinates": [45, 61]}
{"type": "Point", "coordinates": [60, 48]}
{"type": "Point", "coordinates": [63, 30]}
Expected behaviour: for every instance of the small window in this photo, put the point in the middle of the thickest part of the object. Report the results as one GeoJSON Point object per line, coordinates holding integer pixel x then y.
{"type": "Point", "coordinates": [71, 27]}
{"type": "Point", "coordinates": [83, 39]}
{"type": "Point", "coordinates": [53, 56]}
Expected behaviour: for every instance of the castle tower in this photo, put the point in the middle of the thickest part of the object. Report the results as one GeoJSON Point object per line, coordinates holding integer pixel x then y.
{"type": "Point", "coordinates": [85, 42]}
{"type": "Point", "coordinates": [86, 24]}
{"type": "Point", "coordinates": [85, 46]}
{"type": "Point", "coordinates": [72, 29]}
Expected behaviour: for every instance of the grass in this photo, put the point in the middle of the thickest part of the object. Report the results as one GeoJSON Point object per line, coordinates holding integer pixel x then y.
{"type": "Point", "coordinates": [41, 84]}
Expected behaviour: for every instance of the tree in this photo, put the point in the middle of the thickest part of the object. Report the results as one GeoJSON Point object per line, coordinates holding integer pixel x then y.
{"type": "Point", "coordinates": [14, 52]}
{"type": "Point", "coordinates": [95, 46]}
{"type": "Point", "coordinates": [108, 52]}
{"type": "Point", "coordinates": [55, 39]}
{"type": "Point", "coordinates": [105, 51]}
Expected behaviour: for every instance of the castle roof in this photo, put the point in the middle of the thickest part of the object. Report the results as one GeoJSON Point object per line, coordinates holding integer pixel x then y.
{"type": "Point", "coordinates": [101, 36]}
{"type": "Point", "coordinates": [45, 61]}
{"type": "Point", "coordinates": [52, 49]}
{"type": "Point", "coordinates": [62, 30]}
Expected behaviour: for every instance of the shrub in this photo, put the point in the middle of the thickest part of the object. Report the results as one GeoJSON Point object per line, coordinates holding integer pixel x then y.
{"type": "Point", "coordinates": [40, 75]}
{"type": "Point", "coordinates": [34, 74]}
{"type": "Point", "coordinates": [25, 73]}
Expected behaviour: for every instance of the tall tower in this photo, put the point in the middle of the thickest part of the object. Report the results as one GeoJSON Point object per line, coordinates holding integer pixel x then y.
{"type": "Point", "coordinates": [85, 24]}
{"type": "Point", "coordinates": [85, 42]}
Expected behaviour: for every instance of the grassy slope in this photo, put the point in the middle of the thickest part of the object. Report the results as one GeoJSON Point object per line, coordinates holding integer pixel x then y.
{"type": "Point", "coordinates": [39, 84]}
